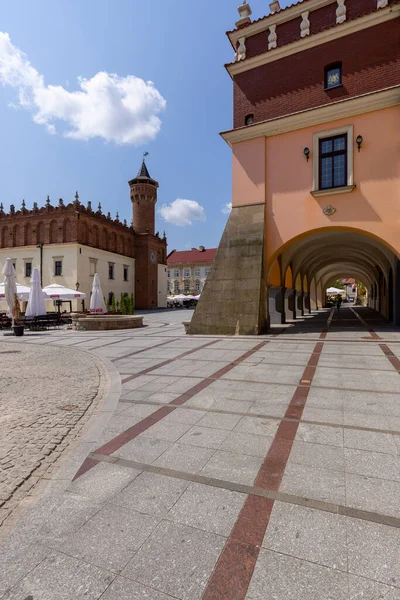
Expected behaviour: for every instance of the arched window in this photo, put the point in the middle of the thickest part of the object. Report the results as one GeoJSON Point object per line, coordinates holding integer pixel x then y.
{"type": "Point", "coordinates": [67, 231]}
{"type": "Point", "coordinates": [120, 246]}
{"type": "Point", "coordinates": [95, 236]}
{"type": "Point", "coordinates": [16, 236]}
{"type": "Point", "coordinates": [5, 237]}
{"type": "Point", "coordinates": [84, 233]}
{"type": "Point", "coordinates": [249, 119]}
{"type": "Point", "coordinates": [40, 233]}
{"type": "Point", "coordinates": [28, 235]}
{"type": "Point", "coordinates": [53, 231]}
{"type": "Point", "coordinates": [104, 239]}
{"type": "Point", "coordinates": [113, 242]}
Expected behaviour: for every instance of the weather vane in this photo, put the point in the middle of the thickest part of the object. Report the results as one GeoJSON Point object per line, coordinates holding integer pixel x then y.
{"type": "Point", "coordinates": [145, 154]}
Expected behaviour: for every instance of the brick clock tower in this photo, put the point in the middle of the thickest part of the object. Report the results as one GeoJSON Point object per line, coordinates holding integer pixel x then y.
{"type": "Point", "coordinates": [150, 249]}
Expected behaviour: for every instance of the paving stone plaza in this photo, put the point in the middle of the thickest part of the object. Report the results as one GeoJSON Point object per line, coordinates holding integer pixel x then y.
{"type": "Point", "coordinates": [203, 467]}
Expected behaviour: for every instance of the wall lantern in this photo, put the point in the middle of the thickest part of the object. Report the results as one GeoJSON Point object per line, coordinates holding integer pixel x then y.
{"type": "Point", "coordinates": [306, 152]}
{"type": "Point", "coordinates": [359, 140]}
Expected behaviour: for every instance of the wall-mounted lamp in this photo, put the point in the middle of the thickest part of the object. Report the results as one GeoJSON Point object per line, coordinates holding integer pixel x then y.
{"type": "Point", "coordinates": [359, 140]}
{"type": "Point", "coordinates": [306, 152]}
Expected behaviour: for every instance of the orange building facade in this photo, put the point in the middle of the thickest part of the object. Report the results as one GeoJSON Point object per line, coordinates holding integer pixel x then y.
{"type": "Point", "coordinates": [315, 164]}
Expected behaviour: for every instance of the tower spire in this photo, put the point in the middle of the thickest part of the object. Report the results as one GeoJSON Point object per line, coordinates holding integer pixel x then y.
{"type": "Point", "coordinates": [143, 192]}
{"type": "Point", "coordinates": [143, 171]}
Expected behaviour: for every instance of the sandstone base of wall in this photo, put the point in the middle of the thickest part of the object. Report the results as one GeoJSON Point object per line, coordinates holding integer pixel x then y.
{"type": "Point", "coordinates": [105, 322]}
{"type": "Point", "coordinates": [232, 301]}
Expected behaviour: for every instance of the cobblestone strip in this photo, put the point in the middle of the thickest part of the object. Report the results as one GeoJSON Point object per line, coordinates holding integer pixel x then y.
{"type": "Point", "coordinates": [43, 408]}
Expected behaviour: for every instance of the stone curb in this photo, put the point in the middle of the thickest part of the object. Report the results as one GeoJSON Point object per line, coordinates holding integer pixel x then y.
{"type": "Point", "coordinates": [93, 428]}
{"type": "Point", "coordinates": [68, 464]}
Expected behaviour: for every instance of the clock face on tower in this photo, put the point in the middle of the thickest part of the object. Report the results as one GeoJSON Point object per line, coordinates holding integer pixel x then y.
{"type": "Point", "coordinates": [153, 257]}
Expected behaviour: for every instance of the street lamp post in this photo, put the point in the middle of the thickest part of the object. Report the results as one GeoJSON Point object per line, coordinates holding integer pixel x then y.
{"type": "Point", "coordinates": [40, 246]}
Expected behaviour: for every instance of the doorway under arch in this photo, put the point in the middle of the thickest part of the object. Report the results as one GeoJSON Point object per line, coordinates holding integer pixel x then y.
{"type": "Point", "coordinates": [311, 262]}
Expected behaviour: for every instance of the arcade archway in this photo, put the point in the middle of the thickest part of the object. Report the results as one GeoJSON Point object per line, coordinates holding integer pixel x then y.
{"type": "Point", "coordinates": [303, 269]}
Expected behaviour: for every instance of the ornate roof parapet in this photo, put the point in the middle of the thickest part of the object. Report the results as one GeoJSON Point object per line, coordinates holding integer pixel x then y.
{"type": "Point", "coordinates": [63, 209]}
{"type": "Point", "coordinates": [244, 11]}
{"type": "Point", "coordinates": [274, 6]}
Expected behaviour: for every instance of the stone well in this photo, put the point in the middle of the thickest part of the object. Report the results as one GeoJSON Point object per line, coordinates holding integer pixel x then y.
{"type": "Point", "coordinates": [105, 322]}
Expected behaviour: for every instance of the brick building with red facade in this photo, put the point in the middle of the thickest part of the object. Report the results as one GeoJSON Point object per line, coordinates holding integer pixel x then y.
{"type": "Point", "coordinates": [81, 237]}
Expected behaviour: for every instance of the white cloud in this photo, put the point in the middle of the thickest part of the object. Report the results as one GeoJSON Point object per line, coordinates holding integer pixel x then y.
{"type": "Point", "coordinates": [119, 109]}
{"type": "Point", "coordinates": [182, 212]}
{"type": "Point", "coordinates": [226, 209]}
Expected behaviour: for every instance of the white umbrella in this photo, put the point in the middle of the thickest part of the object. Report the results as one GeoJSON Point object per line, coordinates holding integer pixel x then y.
{"type": "Point", "coordinates": [10, 286]}
{"type": "Point", "coordinates": [36, 304]}
{"type": "Point", "coordinates": [333, 290]}
{"type": "Point", "coordinates": [97, 304]}
{"type": "Point", "coordinates": [22, 292]}
{"type": "Point", "coordinates": [55, 291]}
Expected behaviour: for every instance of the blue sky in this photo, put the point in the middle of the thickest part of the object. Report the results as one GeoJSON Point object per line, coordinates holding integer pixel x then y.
{"type": "Point", "coordinates": [180, 46]}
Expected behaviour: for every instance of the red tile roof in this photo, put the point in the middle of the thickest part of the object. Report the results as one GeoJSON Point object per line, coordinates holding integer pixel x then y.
{"type": "Point", "coordinates": [191, 256]}
{"type": "Point", "coordinates": [351, 280]}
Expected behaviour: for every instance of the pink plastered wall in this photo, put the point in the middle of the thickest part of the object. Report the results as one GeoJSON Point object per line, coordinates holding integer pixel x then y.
{"type": "Point", "coordinates": [373, 206]}
{"type": "Point", "coordinates": [248, 172]}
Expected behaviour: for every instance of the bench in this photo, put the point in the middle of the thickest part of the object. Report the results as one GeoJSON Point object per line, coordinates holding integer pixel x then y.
{"type": "Point", "coordinates": [43, 321]}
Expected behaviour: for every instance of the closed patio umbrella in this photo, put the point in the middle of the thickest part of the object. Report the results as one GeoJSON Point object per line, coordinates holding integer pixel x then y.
{"type": "Point", "coordinates": [97, 304]}
{"type": "Point", "coordinates": [10, 286]}
{"type": "Point", "coordinates": [36, 299]}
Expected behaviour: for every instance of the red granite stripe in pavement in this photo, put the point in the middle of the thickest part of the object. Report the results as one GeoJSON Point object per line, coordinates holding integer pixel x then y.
{"type": "Point", "coordinates": [87, 464]}
{"type": "Point", "coordinates": [131, 433]}
{"type": "Point", "coordinates": [366, 326]}
{"type": "Point", "coordinates": [232, 574]}
{"type": "Point", "coordinates": [167, 362]}
{"type": "Point", "coordinates": [390, 356]}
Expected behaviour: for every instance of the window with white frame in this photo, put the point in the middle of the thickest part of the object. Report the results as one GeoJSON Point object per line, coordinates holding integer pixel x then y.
{"type": "Point", "coordinates": [176, 287]}
{"type": "Point", "coordinates": [197, 287]}
{"type": "Point", "coordinates": [126, 272]}
{"type": "Point", "coordinates": [176, 273]}
{"type": "Point", "coordinates": [207, 272]}
{"type": "Point", "coordinates": [187, 286]}
{"type": "Point", "coordinates": [58, 267]}
{"type": "Point", "coordinates": [28, 268]}
{"type": "Point", "coordinates": [111, 267]}
{"type": "Point", "coordinates": [197, 273]}
{"type": "Point", "coordinates": [168, 274]}
{"type": "Point", "coordinates": [333, 161]}
{"type": "Point", "coordinates": [187, 273]}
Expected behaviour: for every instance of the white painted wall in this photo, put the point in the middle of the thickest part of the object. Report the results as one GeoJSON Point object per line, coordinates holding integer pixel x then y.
{"type": "Point", "coordinates": [162, 286]}
{"type": "Point", "coordinates": [117, 285]}
{"type": "Point", "coordinates": [75, 269]}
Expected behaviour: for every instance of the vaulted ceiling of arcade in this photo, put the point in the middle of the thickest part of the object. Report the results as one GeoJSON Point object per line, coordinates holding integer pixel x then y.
{"type": "Point", "coordinates": [329, 255]}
